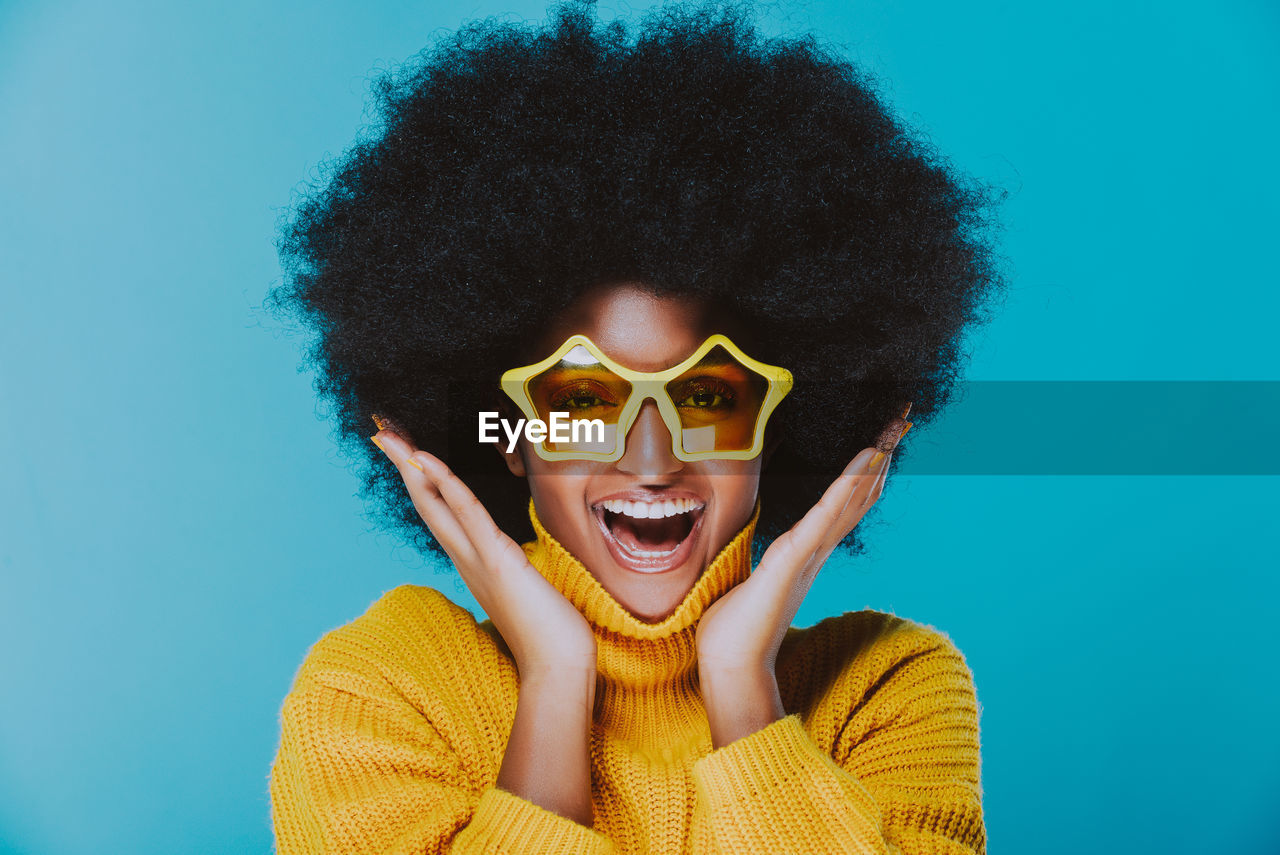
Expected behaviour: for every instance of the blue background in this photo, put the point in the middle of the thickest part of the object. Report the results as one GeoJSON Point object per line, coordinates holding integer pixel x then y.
{"type": "Point", "coordinates": [176, 528]}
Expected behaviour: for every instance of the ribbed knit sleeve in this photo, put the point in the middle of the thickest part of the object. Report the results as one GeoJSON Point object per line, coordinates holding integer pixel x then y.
{"type": "Point", "coordinates": [903, 779]}
{"type": "Point", "coordinates": [362, 768]}
{"type": "Point", "coordinates": [355, 776]}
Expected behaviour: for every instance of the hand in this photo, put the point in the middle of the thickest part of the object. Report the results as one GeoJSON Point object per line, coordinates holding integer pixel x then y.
{"type": "Point", "coordinates": [548, 755]}
{"type": "Point", "coordinates": [545, 632]}
{"type": "Point", "coordinates": [739, 636]}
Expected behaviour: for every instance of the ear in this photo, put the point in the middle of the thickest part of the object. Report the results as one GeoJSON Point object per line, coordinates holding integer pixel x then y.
{"type": "Point", "coordinates": [772, 440]}
{"type": "Point", "coordinates": [513, 459]}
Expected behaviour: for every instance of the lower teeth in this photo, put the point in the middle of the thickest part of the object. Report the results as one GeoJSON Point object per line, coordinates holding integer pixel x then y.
{"type": "Point", "coordinates": [645, 553]}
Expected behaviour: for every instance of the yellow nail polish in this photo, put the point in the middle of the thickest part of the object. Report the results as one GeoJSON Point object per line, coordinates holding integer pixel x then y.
{"type": "Point", "coordinates": [907, 410]}
{"type": "Point", "coordinates": [416, 465]}
{"type": "Point", "coordinates": [377, 420]}
{"type": "Point", "coordinates": [904, 431]}
{"type": "Point", "coordinates": [875, 461]}
{"type": "Point", "coordinates": [377, 443]}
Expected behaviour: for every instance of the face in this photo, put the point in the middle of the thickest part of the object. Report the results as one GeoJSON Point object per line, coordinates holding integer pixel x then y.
{"type": "Point", "coordinates": [647, 565]}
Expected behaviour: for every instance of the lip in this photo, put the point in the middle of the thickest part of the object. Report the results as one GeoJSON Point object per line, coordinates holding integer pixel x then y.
{"type": "Point", "coordinates": [657, 564]}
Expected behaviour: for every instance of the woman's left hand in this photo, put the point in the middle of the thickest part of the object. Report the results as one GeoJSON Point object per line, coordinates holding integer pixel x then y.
{"type": "Point", "coordinates": [738, 637]}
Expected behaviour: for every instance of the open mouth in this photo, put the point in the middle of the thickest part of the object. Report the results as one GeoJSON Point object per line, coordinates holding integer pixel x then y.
{"type": "Point", "coordinates": [650, 536]}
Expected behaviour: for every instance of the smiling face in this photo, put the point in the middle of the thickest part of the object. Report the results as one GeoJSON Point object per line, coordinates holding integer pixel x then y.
{"type": "Point", "coordinates": [647, 525]}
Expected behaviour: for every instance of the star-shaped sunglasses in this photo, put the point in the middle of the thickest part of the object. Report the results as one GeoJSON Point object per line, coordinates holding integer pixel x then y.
{"type": "Point", "coordinates": [715, 403]}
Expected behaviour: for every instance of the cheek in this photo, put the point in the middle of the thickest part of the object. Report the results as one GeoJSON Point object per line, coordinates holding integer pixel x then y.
{"type": "Point", "coordinates": [735, 484]}
{"type": "Point", "coordinates": [559, 492]}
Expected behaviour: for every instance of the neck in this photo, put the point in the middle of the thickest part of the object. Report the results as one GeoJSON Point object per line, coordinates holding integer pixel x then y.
{"type": "Point", "coordinates": [648, 671]}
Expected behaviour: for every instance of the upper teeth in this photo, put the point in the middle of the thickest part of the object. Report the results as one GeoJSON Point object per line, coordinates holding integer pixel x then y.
{"type": "Point", "coordinates": [651, 510]}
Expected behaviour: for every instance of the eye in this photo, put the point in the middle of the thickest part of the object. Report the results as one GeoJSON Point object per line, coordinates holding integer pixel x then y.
{"type": "Point", "coordinates": [706, 394]}
{"type": "Point", "coordinates": [703, 400]}
{"type": "Point", "coordinates": [580, 402]}
{"type": "Point", "coordinates": [579, 397]}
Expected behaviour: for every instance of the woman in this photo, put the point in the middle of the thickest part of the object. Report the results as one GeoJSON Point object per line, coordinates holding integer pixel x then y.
{"type": "Point", "coordinates": [726, 251]}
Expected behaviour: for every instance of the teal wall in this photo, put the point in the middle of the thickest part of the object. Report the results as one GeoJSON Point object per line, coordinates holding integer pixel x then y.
{"type": "Point", "coordinates": [176, 528]}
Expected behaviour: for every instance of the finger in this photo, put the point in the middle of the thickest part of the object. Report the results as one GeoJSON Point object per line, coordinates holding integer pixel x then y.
{"type": "Point", "coordinates": [873, 495]}
{"type": "Point", "coordinates": [847, 490]}
{"type": "Point", "coordinates": [431, 506]}
{"type": "Point", "coordinates": [805, 547]}
{"type": "Point", "coordinates": [443, 522]}
{"type": "Point", "coordinates": [883, 475]}
{"type": "Point", "coordinates": [868, 463]}
{"type": "Point", "coordinates": [856, 506]}
{"type": "Point", "coordinates": [494, 547]}
{"type": "Point", "coordinates": [479, 549]}
{"type": "Point", "coordinates": [797, 547]}
{"type": "Point", "coordinates": [868, 493]}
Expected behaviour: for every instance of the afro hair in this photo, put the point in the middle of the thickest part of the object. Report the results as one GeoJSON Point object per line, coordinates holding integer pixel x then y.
{"type": "Point", "coordinates": [511, 167]}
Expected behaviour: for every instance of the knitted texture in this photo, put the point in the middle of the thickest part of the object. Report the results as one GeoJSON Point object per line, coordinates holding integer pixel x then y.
{"type": "Point", "coordinates": [394, 731]}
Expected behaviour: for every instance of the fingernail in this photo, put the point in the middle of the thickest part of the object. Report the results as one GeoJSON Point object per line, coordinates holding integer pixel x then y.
{"type": "Point", "coordinates": [907, 410]}
{"type": "Point", "coordinates": [416, 465]}
{"type": "Point", "coordinates": [379, 444]}
{"type": "Point", "coordinates": [874, 465]}
{"type": "Point", "coordinates": [904, 433]}
{"type": "Point", "coordinates": [382, 425]}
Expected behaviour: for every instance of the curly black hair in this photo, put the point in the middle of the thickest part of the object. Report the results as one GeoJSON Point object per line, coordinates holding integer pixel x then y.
{"type": "Point", "coordinates": [513, 166]}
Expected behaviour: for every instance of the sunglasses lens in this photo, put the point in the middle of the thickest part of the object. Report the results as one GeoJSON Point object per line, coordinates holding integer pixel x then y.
{"type": "Point", "coordinates": [587, 390]}
{"type": "Point", "coordinates": [719, 401]}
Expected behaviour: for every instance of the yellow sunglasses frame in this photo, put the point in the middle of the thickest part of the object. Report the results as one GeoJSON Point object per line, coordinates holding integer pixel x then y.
{"type": "Point", "coordinates": [515, 383]}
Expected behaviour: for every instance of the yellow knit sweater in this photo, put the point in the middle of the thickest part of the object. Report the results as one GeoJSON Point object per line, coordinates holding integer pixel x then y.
{"type": "Point", "coordinates": [394, 731]}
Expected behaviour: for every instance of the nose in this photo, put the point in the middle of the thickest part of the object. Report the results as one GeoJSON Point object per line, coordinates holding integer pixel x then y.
{"type": "Point", "coordinates": [648, 446]}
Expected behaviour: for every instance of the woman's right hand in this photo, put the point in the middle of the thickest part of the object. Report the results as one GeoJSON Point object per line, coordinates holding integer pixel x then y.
{"type": "Point", "coordinates": [548, 755]}
{"type": "Point", "coordinates": [546, 633]}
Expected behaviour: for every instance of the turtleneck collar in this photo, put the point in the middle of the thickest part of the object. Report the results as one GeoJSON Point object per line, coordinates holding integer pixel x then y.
{"type": "Point", "coordinates": [730, 567]}
{"type": "Point", "coordinates": [648, 670]}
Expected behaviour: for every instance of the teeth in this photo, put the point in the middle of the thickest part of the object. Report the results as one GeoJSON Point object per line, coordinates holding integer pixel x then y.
{"type": "Point", "coordinates": [651, 510]}
{"type": "Point", "coordinates": [645, 553]}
